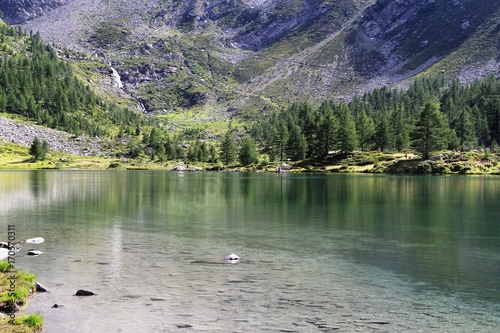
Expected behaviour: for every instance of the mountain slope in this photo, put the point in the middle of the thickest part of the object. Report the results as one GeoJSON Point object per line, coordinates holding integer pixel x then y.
{"type": "Point", "coordinates": [249, 54]}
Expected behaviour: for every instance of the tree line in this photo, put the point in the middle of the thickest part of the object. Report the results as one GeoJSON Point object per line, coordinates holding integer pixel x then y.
{"type": "Point", "coordinates": [429, 116]}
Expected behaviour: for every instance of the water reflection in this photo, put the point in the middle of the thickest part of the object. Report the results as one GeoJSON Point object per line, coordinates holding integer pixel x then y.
{"type": "Point", "coordinates": [441, 232]}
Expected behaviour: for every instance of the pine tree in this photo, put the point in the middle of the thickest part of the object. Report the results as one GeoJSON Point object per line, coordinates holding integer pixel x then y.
{"type": "Point", "coordinates": [281, 138]}
{"type": "Point", "coordinates": [161, 154]}
{"type": "Point", "coordinates": [346, 135]}
{"type": "Point", "coordinates": [398, 129]}
{"type": "Point", "coordinates": [365, 129]}
{"type": "Point", "coordinates": [297, 145]}
{"type": "Point", "coordinates": [228, 148]}
{"type": "Point", "coordinates": [39, 149]}
{"type": "Point", "coordinates": [381, 137]}
{"type": "Point", "coordinates": [465, 130]}
{"type": "Point", "coordinates": [430, 131]}
{"type": "Point", "coordinates": [248, 152]}
{"type": "Point", "coordinates": [326, 129]}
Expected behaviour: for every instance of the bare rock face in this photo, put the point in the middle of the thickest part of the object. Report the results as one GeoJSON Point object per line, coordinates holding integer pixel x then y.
{"type": "Point", "coordinates": [19, 11]}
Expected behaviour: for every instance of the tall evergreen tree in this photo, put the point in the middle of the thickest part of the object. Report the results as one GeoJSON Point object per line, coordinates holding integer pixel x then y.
{"type": "Point", "coordinates": [297, 145]}
{"type": "Point", "coordinates": [277, 140]}
{"type": "Point", "coordinates": [248, 152]}
{"type": "Point", "coordinates": [464, 129]}
{"type": "Point", "coordinates": [325, 133]}
{"type": "Point", "coordinates": [381, 137]}
{"type": "Point", "coordinates": [398, 129]}
{"type": "Point", "coordinates": [228, 148]}
{"type": "Point", "coordinates": [365, 129]}
{"type": "Point", "coordinates": [347, 139]}
{"type": "Point", "coordinates": [430, 131]}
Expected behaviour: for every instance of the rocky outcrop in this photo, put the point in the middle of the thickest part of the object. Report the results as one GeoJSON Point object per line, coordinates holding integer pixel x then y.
{"type": "Point", "coordinates": [24, 133]}
{"type": "Point", "coordinates": [18, 11]}
{"type": "Point", "coordinates": [411, 35]}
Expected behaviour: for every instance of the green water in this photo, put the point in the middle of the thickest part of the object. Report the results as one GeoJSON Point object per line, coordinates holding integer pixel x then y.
{"type": "Point", "coordinates": [349, 252]}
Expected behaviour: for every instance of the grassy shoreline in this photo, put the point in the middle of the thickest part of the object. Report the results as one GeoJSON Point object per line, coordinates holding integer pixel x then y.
{"type": "Point", "coordinates": [16, 288]}
{"type": "Point", "coordinates": [16, 157]}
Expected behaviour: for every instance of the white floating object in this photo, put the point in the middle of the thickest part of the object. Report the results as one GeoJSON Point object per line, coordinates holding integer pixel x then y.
{"type": "Point", "coordinates": [4, 253]}
{"type": "Point", "coordinates": [34, 253]}
{"type": "Point", "coordinates": [232, 258]}
{"type": "Point", "coordinates": [36, 240]}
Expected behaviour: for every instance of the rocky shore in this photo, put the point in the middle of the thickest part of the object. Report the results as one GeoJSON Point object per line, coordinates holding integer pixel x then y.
{"type": "Point", "coordinates": [23, 133]}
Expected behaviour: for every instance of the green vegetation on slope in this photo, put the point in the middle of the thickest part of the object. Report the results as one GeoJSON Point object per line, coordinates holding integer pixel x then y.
{"type": "Point", "coordinates": [38, 85]}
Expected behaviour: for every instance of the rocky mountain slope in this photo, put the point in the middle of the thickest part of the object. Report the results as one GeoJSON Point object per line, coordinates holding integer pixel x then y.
{"type": "Point", "coordinates": [16, 11]}
{"type": "Point", "coordinates": [255, 54]}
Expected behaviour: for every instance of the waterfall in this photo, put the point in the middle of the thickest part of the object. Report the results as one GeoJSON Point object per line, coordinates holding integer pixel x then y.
{"type": "Point", "coordinates": [116, 78]}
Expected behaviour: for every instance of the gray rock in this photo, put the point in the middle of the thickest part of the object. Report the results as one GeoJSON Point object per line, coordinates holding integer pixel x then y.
{"type": "Point", "coordinates": [184, 326]}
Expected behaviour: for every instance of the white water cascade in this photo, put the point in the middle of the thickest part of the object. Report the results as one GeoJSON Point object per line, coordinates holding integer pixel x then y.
{"type": "Point", "coordinates": [116, 78]}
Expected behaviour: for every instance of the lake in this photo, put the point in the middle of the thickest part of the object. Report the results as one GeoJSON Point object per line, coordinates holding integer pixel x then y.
{"type": "Point", "coordinates": [318, 252]}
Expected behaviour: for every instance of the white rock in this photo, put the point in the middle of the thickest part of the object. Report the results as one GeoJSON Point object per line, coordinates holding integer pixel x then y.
{"type": "Point", "coordinates": [232, 258]}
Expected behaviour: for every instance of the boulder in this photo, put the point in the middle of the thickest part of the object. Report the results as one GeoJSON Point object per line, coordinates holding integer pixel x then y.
{"type": "Point", "coordinates": [82, 292]}
{"type": "Point", "coordinates": [40, 288]}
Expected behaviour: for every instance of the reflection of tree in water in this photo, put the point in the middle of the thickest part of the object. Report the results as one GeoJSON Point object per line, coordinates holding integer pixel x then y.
{"type": "Point", "coordinates": [38, 179]}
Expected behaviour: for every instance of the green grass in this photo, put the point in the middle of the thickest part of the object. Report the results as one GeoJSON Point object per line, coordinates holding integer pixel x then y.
{"type": "Point", "coordinates": [22, 324]}
{"type": "Point", "coordinates": [5, 266]}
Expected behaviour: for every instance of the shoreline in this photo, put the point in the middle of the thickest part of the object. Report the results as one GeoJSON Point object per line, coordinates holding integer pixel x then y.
{"type": "Point", "coordinates": [16, 289]}
{"type": "Point", "coordinates": [445, 163]}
